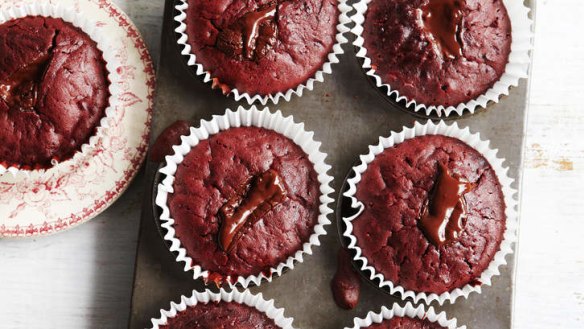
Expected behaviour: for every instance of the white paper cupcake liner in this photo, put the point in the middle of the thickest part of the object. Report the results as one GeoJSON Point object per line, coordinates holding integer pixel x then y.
{"type": "Point", "coordinates": [509, 194]}
{"type": "Point", "coordinates": [257, 118]}
{"type": "Point", "coordinates": [84, 22]}
{"type": "Point", "coordinates": [245, 298]}
{"type": "Point", "coordinates": [408, 311]}
{"type": "Point", "coordinates": [517, 68]}
{"type": "Point", "coordinates": [333, 58]}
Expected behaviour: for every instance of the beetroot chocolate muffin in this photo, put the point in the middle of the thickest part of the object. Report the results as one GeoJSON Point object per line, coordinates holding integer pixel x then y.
{"type": "Point", "coordinates": [244, 200]}
{"type": "Point", "coordinates": [220, 315]}
{"type": "Point", "coordinates": [434, 214]}
{"type": "Point", "coordinates": [261, 46]}
{"type": "Point", "coordinates": [438, 52]}
{"type": "Point", "coordinates": [53, 91]}
{"type": "Point", "coordinates": [405, 323]}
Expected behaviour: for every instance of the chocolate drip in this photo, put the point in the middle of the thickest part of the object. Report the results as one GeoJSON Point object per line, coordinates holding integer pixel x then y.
{"type": "Point", "coordinates": [346, 284]}
{"type": "Point", "coordinates": [20, 90]}
{"type": "Point", "coordinates": [442, 215]}
{"type": "Point", "coordinates": [167, 139]}
{"type": "Point", "coordinates": [249, 36]}
{"type": "Point", "coordinates": [443, 20]}
{"type": "Point", "coordinates": [266, 191]}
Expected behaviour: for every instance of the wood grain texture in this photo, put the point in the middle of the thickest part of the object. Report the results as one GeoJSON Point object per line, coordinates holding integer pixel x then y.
{"type": "Point", "coordinates": [82, 278]}
{"type": "Point", "coordinates": [550, 274]}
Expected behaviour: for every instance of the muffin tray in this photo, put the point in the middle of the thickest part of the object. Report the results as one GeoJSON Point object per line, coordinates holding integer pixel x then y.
{"type": "Point", "coordinates": [346, 114]}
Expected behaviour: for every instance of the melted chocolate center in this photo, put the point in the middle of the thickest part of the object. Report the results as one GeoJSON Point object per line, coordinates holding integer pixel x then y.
{"type": "Point", "coordinates": [266, 191]}
{"type": "Point", "coordinates": [250, 35]}
{"type": "Point", "coordinates": [20, 90]}
{"type": "Point", "coordinates": [443, 20]}
{"type": "Point", "coordinates": [441, 219]}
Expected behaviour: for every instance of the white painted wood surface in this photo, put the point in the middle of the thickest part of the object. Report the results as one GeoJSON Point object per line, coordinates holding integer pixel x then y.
{"type": "Point", "coordinates": [82, 278]}
{"type": "Point", "coordinates": [550, 277]}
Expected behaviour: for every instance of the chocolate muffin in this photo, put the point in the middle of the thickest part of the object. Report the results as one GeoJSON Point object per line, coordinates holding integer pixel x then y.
{"type": "Point", "coordinates": [220, 315]}
{"type": "Point", "coordinates": [244, 201]}
{"type": "Point", "coordinates": [438, 52]}
{"type": "Point", "coordinates": [53, 91]}
{"type": "Point", "coordinates": [261, 46]}
{"type": "Point", "coordinates": [405, 323]}
{"type": "Point", "coordinates": [434, 214]}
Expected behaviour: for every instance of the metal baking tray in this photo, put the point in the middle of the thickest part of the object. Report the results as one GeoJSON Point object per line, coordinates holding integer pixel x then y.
{"type": "Point", "coordinates": [347, 114]}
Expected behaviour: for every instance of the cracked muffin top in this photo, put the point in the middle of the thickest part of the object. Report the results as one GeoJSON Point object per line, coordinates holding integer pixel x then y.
{"type": "Point", "coordinates": [405, 323]}
{"type": "Point", "coordinates": [438, 52]}
{"type": "Point", "coordinates": [434, 214]}
{"type": "Point", "coordinates": [261, 46]}
{"type": "Point", "coordinates": [244, 200]}
{"type": "Point", "coordinates": [53, 91]}
{"type": "Point", "coordinates": [220, 315]}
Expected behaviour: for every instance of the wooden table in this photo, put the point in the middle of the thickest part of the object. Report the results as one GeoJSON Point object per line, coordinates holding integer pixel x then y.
{"type": "Point", "coordinates": [550, 276]}
{"type": "Point", "coordinates": [82, 278]}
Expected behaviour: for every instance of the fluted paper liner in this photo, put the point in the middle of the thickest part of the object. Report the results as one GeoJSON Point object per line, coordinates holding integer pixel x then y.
{"type": "Point", "coordinates": [257, 118]}
{"type": "Point", "coordinates": [87, 25]}
{"type": "Point", "coordinates": [509, 194]}
{"type": "Point", "coordinates": [408, 311]}
{"type": "Point", "coordinates": [332, 58]}
{"type": "Point", "coordinates": [245, 298]}
{"type": "Point", "coordinates": [517, 67]}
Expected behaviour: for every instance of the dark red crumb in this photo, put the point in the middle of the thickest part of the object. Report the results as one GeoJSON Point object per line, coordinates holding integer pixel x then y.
{"type": "Point", "coordinates": [346, 284]}
{"type": "Point", "coordinates": [475, 282]}
{"type": "Point", "coordinates": [167, 139]}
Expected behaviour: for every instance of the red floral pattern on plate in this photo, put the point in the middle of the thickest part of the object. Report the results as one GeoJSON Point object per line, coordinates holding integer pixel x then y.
{"type": "Point", "coordinates": [80, 190]}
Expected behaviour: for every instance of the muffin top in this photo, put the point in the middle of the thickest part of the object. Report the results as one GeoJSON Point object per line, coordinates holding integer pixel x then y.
{"type": "Point", "coordinates": [438, 52]}
{"type": "Point", "coordinates": [434, 214]}
{"type": "Point", "coordinates": [220, 315]}
{"type": "Point", "coordinates": [244, 201]}
{"type": "Point", "coordinates": [261, 46]}
{"type": "Point", "coordinates": [405, 323]}
{"type": "Point", "coordinates": [53, 91]}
